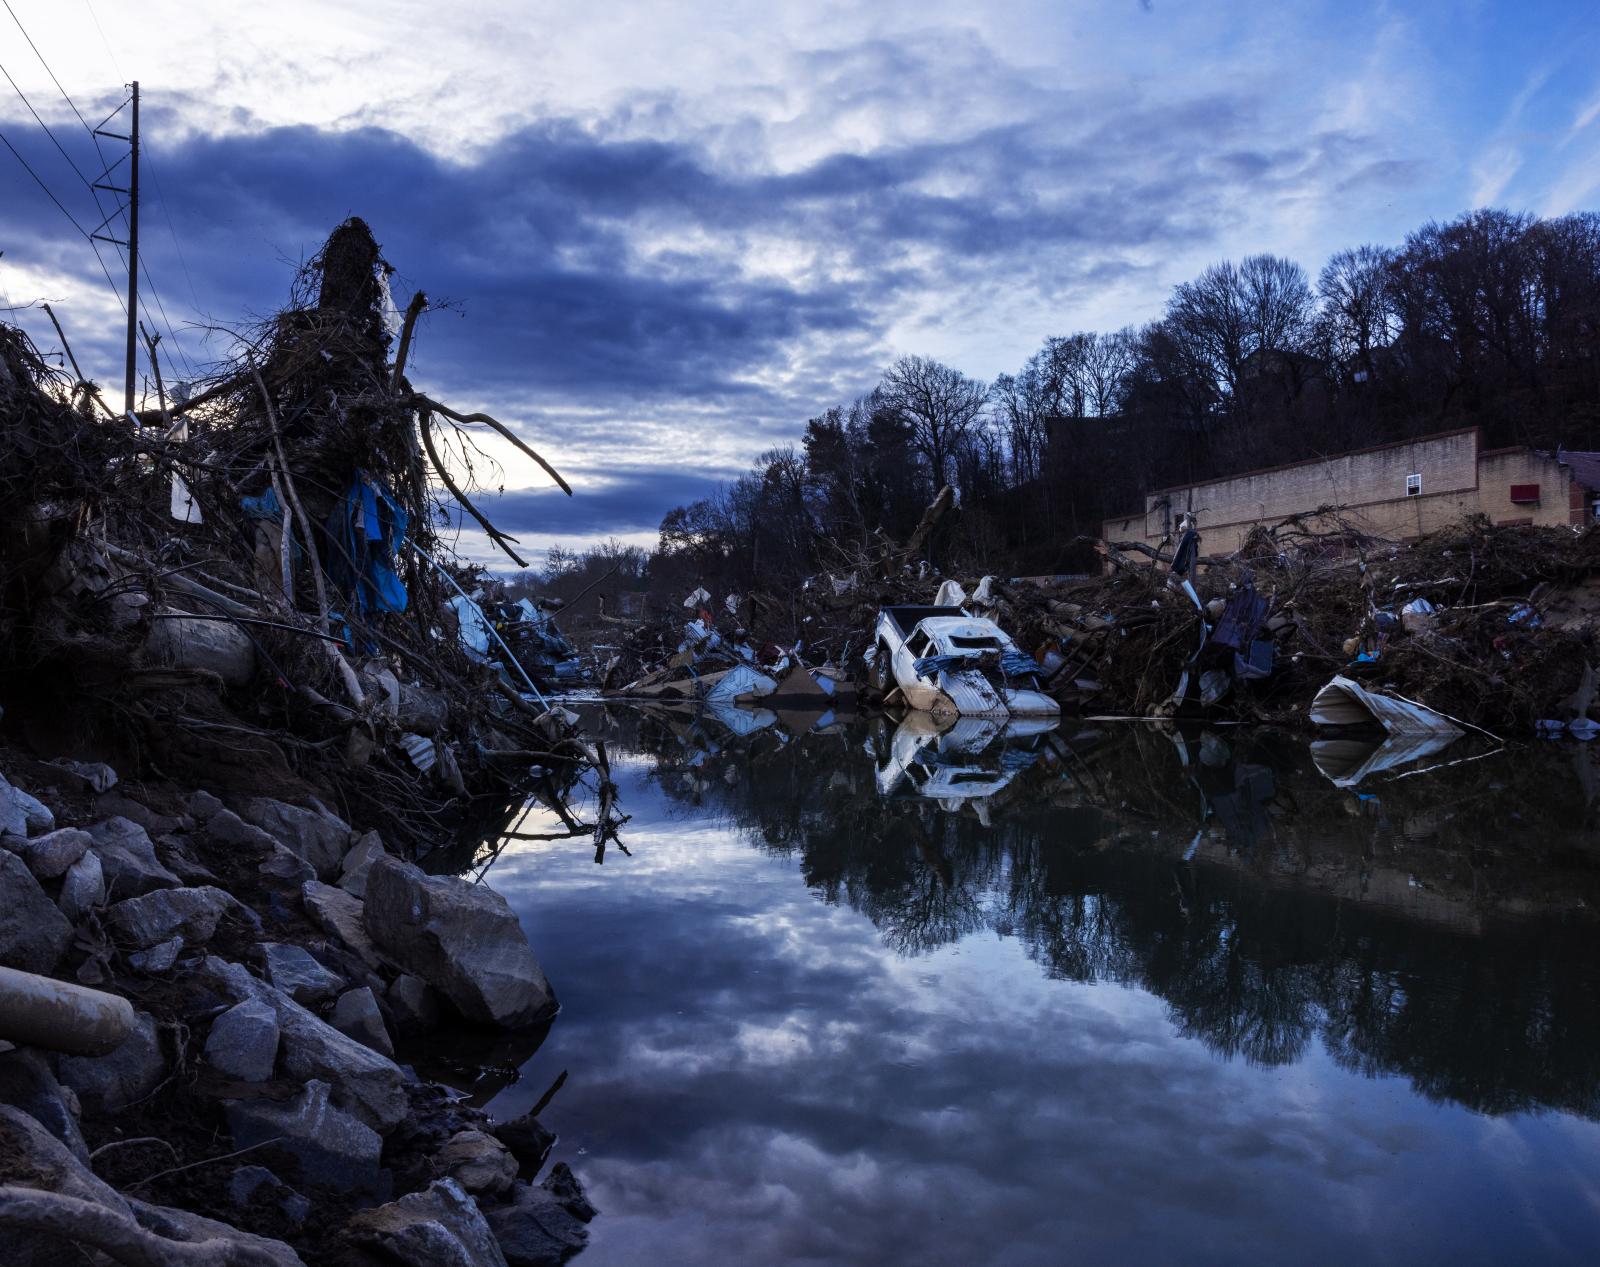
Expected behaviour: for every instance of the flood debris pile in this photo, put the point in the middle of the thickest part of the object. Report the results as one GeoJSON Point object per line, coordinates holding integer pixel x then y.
{"type": "Point", "coordinates": [1491, 625]}
{"type": "Point", "coordinates": [255, 584]}
{"type": "Point", "coordinates": [237, 712]}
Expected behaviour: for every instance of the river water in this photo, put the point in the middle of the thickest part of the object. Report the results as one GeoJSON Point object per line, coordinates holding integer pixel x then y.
{"type": "Point", "coordinates": [1094, 996]}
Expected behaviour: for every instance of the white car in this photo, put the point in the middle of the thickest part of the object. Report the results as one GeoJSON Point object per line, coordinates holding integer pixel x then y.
{"type": "Point", "coordinates": [948, 663]}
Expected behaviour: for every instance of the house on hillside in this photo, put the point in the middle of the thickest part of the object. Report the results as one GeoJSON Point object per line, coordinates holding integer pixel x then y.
{"type": "Point", "coordinates": [1401, 491]}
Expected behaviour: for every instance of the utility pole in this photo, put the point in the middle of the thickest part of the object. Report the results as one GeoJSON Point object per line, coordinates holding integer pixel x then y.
{"type": "Point", "coordinates": [133, 254]}
{"type": "Point", "coordinates": [132, 244]}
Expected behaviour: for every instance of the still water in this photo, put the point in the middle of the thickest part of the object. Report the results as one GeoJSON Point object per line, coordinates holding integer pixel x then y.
{"type": "Point", "coordinates": [1114, 996]}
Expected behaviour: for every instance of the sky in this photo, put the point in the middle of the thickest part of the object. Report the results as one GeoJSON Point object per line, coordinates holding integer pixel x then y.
{"type": "Point", "coordinates": [670, 233]}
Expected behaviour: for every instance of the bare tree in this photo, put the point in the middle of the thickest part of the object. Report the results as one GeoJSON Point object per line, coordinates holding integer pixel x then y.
{"type": "Point", "coordinates": [1358, 313]}
{"type": "Point", "coordinates": [1107, 362]}
{"type": "Point", "coordinates": [939, 403]}
{"type": "Point", "coordinates": [1230, 313]}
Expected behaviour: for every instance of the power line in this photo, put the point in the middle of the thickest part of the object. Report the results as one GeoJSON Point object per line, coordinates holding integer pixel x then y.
{"type": "Point", "coordinates": [38, 180]}
{"type": "Point", "coordinates": [121, 210]}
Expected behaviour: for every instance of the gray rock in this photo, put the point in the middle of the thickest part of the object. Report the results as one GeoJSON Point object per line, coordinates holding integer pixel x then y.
{"type": "Point", "coordinates": [113, 804]}
{"type": "Point", "coordinates": [128, 859]}
{"type": "Point", "coordinates": [13, 818]}
{"type": "Point", "coordinates": [243, 1043]}
{"type": "Point", "coordinates": [48, 856]}
{"type": "Point", "coordinates": [353, 875]}
{"type": "Point", "coordinates": [33, 933]}
{"type": "Point", "coordinates": [371, 1083]}
{"type": "Point", "coordinates": [176, 858]}
{"type": "Point", "coordinates": [256, 1185]}
{"type": "Point", "coordinates": [462, 939]}
{"type": "Point", "coordinates": [296, 972]}
{"type": "Point", "coordinates": [181, 1225]}
{"type": "Point", "coordinates": [437, 1227]}
{"type": "Point", "coordinates": [333, 1147]}
{"type": "Point", "coordinates": [339, 915]}
{"type": "Point", "coordinates": [356, 1014]}
{"type": "Point", "coordinates": [528, 1139]}
{"type": "Point", "coordinates": [317, 835]}
{"type": "Point", "coordinates": [29, 1153]}
{"type": "Point", "coordinates": [225, 829]}
{"type": "Point", "coordinates": [27, 1083]}
{"type": "Point", "coordinates": [158, 960]}
{"type": "Point", "coordinates": [91, 776]}
{"type": "Point", "coordinates": [123, 1077]}
{"type": "Point", "coordinates": [478, 1162]}
{"type": "Point", "coordinates": [193, 914]}
{"type": "Point", "coordinates": [413, 1005]}
{"type": "Point", "coordinates": [202, 805]}
{"type": "Point", "coordinates": [83, 888]}
{"type": "Point", "coordinates": [536, 1229]}
{"type": "Point", "coordinates": [564, 1186]}
{"type": "Point", "coordinates": [286, 865]}
{"type": "Point", "coordinates": [36, 815]}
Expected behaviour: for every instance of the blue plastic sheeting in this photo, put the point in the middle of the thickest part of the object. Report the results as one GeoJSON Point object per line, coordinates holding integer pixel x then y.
{"type": "Point", "coordinates": [367, 528]}
{"type": "Point", "coordinates": [929, 665]}
{"type": "Point", "coordinates": [1018, 664]}
{"type": "Point", "coordinates": [263, 505]}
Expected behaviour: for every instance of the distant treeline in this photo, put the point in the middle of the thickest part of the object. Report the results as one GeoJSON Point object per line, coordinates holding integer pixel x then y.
{"type": "Point", "coordinates": [1489, 320]}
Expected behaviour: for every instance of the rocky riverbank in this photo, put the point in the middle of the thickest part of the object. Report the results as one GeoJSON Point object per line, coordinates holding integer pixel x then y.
{"type": "Point", "coordinates": [246, 1104]}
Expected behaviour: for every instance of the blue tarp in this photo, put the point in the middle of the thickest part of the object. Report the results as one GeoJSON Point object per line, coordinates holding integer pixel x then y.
{"type": "Point", "coordinates": [366, 529]}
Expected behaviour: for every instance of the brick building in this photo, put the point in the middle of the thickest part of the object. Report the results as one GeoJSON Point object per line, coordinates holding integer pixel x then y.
{"type": "Point", "coordinates": [1400, 491]}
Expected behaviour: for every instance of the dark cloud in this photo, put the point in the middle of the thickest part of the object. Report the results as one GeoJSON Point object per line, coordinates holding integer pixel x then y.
{"type": "Point", "coordinates": [620, 293]}
{"type": "Point", "coordinates": [619, 501]}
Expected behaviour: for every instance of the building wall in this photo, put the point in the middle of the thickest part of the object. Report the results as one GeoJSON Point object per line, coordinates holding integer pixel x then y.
{"type": "Point", "coordinates": [1458, 479]}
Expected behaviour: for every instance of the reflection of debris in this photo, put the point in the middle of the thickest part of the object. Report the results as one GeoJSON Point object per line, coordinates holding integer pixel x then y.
{"type": "Point", "coordinates": [954, 761]}
{"type": "Point", "coordinates": [1347, 761]}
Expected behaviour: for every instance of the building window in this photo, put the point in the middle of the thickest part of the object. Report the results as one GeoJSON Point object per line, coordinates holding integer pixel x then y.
{"type": "Point", "coordinates": [1414, 486]}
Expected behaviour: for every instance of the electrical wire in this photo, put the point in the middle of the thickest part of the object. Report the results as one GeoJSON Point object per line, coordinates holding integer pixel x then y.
{"type": "Point", "coordinates": [144, 266]}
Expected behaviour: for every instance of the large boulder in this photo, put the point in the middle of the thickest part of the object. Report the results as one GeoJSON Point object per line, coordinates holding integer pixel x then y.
{"type": "Point", "coordinates": [353, 874]}
{"type": "Point", "coordinates": [32, 1157]}
{"type": "Point", "coordinates": [295, 971]}
{"type": "Point", "coordinates": [543, 1226]}
{"type": "Point", "coordinates": [193, 914]}
{"type": "Point", "coordinates": [334, 1148]}
{"type": "Point", "coordinates": [529, 1140]}
{"type": "Point", "coordinates": [83, 887]}
{"type": "Point", "coordinates": [462, 939]}
{"type": "Point", "coordinates": [339, 915]}
{"type": "Point", "coordinates": [188, 1227]}
{"type": "Point", "coordinates": [128, 859]}
{"type": "Point", "coordinates": [22, 813]}
{"type": "Point", "coordinates": [437, 1227]}
{"type": "Point", "coordinates": [33, 933]}
{"type": "Point", "coordinates": [317, 835]}
{"type": "Point", "coordinates": [414, 1005]}
{"type": "Point", "coordinates": [122, 1077]}
{"type": "Point", "coordinates": [243, 1042]}
{"type": "Point", "coordinates": [371, 1084]}
{"type": "Point", "coordinates": [478, 1162]}
{"type": "Point", "coordinates": [50, 856]}
{"type": "Point", "coordinates": [356, 1014]}
{"type": "Point", "coordinates": [27, 1083]}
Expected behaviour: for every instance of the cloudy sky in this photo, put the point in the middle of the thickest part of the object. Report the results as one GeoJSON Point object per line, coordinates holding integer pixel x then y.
{"type": "Point", "coordinates": [672, 232]}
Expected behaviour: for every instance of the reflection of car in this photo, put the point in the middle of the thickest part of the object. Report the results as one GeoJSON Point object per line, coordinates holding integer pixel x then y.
{"type": "Point", "coordinates": [970, 759]}
{"type": "Point", "coordinates": [949, 663]}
